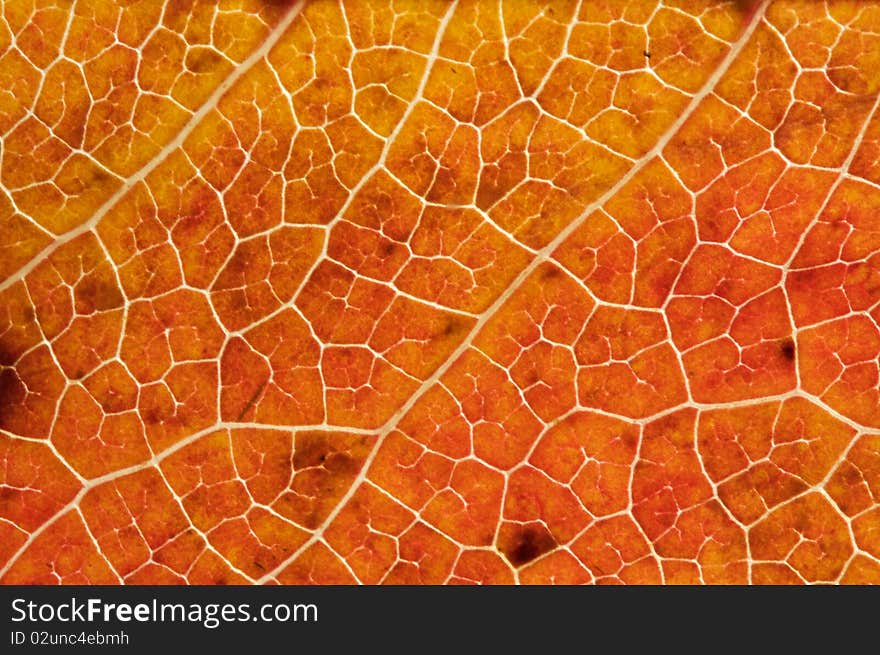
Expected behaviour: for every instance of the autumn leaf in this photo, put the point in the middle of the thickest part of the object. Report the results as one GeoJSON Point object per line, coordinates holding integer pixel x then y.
{"type": "Point", "coordinates": [428, 292]}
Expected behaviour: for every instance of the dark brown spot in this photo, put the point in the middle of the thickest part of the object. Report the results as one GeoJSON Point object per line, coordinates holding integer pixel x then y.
{"type": "Point", "coordinates": [202, 60]}
{"type": "Point", "coordinates": [526, 543]}
{"type": "Point", "coordinates": [7, 356]}
{"type": "Point", "coordinates": [747, 7]}
{"type": "Point", "coordinates": [315, 450]}
{"type": "Point", "coordinates": [453, 326]}
{"type": "Point", "coordinates": [12, 392]}
{"type": "Point", "coordinates": [386, 249]}
{"type": "Point", "coordinates": [341, 464]}
{"type": "Point", "coordinates": [787, 350]}
{"type": "Point", "coordinates": [550, 273]}
{"type": "Point", "coordinates": [150, 417]}
{"type": "Point", "coordinates": [630, 439]}
{"type": "Point", "coordinates": [94, 178]}
{"type": "Point", "coordinates": [96, 295]}
{"type": "Point", "coordinates": [8, 495]}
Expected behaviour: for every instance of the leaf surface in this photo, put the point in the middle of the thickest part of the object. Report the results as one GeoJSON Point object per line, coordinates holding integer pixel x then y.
{"type": "Point", "coordinates": [428, 292]}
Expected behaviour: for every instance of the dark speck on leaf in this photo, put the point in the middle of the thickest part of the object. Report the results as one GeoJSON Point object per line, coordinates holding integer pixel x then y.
{"type": "Point", "coordinates": [386, 249]}
{"type": "Point", "coordinates": [550, 273]}
{"type": "Point", "coordinates": [528, 543]}
{"type": "Point", "coordinates": [787, 349]}
{"type": "Point", "coordinates": [11, 390]}
{"type": "Point", "coordinates": [7, 356]}
{"type": "Point", "coordinates": [452, 327]}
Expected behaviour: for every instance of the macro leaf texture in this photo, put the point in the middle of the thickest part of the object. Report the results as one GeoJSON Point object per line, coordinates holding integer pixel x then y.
{"type": "Point", "coordinates": [413, 292]}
